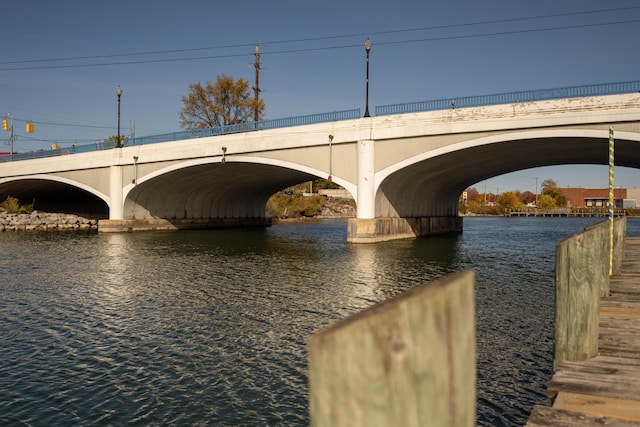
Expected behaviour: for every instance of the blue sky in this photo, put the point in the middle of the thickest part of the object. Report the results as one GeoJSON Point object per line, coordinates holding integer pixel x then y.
{"type": "Point", "coordinates": [312, 60]}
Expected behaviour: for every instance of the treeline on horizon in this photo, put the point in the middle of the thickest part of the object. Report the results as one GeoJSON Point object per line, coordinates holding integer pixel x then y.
{"type": "Point", "coordinates": [472, 201]}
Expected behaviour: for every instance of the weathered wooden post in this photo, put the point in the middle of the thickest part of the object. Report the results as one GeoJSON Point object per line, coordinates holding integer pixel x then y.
{"type": "Point", "coordinates": [582, 278]}
{"type": "Point", "coordinates": [408, 361]}
{"type": "Point", "coordinates": [619, 235]}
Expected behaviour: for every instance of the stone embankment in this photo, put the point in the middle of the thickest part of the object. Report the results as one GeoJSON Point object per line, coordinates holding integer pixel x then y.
{"type": "Point", "coordinates": [45, 221]}
{"type": "Point", "coordinates": [338, 208]}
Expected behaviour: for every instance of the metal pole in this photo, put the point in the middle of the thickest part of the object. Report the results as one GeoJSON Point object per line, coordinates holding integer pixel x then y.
{"type": "Point", "coordinates": [119, 144]}
{"type": "Point", "coordinates": [11, 136]}
{"type": "Point", "coordinates": [367, 48]}
{"type": "Point", "coordinates": [611, 198]}
{"type": "Point", "coordinates": [256, 89]}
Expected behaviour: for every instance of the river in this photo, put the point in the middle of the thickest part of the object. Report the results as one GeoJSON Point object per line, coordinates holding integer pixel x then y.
{"type": "Point", "coordinates": [210, 327]}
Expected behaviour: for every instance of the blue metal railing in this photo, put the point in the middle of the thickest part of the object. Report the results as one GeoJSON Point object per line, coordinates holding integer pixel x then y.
{"type": "Point", "coordinates": [249, 126]}
{"type": "Point", "coordinates": [438, 104]}
{"type": "Point", "coordinates": [511, 97]}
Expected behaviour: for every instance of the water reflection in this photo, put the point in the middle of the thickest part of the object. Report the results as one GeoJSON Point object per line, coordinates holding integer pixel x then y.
{"type": "Point", "coordinates": [210, 327]}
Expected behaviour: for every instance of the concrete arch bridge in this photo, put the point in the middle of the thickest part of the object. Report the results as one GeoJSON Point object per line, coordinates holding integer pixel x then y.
{"type": "Point", "coordinates": [405, 170]}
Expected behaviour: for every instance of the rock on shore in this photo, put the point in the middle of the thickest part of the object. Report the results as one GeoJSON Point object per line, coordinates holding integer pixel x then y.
{"type": "Point", "coordinates": [45, 221]}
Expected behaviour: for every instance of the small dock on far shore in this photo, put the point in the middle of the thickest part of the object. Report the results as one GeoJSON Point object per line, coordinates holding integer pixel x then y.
{"type": "Point", "coordinates": [605, 389]}
{"type": "Point", "coordinates": [567, 212]}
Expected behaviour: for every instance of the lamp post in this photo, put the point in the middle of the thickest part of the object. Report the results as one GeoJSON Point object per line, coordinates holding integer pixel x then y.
{"type": "Point", "coordinates": [367, 48]}
{"type": "Point", "coordinates": [119, 143]}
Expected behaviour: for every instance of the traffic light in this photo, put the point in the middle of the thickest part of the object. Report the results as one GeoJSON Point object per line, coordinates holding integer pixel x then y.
{"type": "Point", "coordinates": [5, 124]}
{"type": "Point", "coordinates": [30, 127]}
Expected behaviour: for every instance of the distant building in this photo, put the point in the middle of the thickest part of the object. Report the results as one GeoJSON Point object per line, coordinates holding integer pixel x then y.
{"type": "Point", "coordinates": [599, 197]}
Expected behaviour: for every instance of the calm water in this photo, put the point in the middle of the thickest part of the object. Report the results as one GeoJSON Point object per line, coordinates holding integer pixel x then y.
{"type": "Point", "coordinates": [210, 327]}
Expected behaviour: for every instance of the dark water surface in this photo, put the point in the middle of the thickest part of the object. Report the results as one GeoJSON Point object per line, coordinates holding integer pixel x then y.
{"type": "Point", "coordinates": [210, 327]}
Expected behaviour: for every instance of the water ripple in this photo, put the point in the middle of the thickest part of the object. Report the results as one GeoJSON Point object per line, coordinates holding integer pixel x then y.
{"type": "Point", "coordinates": [210, 327]}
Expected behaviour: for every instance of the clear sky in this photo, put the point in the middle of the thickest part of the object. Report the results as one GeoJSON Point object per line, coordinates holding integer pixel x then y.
{"type": "Point", "coordinates": [62, 61]}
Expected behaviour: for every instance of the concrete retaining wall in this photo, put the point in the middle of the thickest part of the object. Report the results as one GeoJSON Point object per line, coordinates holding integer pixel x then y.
{"type": "Point", "coordinates": [384, 229]}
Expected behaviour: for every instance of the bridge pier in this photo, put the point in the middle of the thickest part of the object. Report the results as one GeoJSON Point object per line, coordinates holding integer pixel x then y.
{"type": "Point", "coordinates": [364, 230]}
{"type": "Point", "coordinates": [115, 191]}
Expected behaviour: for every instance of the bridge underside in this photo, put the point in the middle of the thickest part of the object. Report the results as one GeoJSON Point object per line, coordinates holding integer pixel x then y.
{"type": "Point", "coordinates": [53, 196]}
{"type": "Point", "coordinates": [432, 187]}
{"type": "Point", "coordinates": [210, 195]}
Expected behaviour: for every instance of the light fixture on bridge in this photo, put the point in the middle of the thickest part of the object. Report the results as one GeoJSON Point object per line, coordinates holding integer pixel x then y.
{"type": "Point", "coordinates": [224, 152]}
{"type": "Point", "coordinates": [135, 173]}
{"type": "Point", "coordinates": [119, 143]}
{"type": "Point", "coordinates": [367, 48]}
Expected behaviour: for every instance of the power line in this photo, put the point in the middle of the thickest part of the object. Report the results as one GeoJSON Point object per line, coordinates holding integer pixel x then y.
{"type": "Point", "coordinates": [232, 46]}
{"type": "Point", "coordinates": [440, 27]}
{"type": "Point", "coordinates": [347, 46]}
{"type": "Point", "coordinates": [63, 124]}
{"type": "Point", "coordinates": [502, 33]}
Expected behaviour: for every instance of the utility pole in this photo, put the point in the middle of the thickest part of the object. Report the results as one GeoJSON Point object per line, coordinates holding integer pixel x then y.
{"type": "Point", "coordinates": [256, 88]}
{"type": "Point", "coordinates": [485, 192]}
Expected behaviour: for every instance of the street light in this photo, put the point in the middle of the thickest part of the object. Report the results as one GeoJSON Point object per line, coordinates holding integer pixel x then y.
{"type": "Point", "coordinates": [367, 48]}
{"type": "Point", "coordinates": [119, 144]}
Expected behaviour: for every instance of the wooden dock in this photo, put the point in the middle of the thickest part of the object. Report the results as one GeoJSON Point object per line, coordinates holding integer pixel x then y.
{"type": "Point", "coordinates": [603, 390]}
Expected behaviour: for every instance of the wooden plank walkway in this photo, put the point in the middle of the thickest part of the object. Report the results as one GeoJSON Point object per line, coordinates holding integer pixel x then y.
{"type": "Point", "coordinates": [604, 390]}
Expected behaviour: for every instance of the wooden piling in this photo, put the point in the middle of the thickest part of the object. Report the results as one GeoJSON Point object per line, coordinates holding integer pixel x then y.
{"type": "Point", "coordinates": [408, 361]}
{"type": "Point", "coordinates": [582, 277]}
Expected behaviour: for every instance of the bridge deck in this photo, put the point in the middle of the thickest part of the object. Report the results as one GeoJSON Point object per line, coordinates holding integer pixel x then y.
{"type": "Point", "coordinates": [604, 390]}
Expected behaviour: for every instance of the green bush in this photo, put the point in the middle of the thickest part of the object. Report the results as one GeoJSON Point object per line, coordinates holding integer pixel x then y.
{"type": "Point", "coordinates": [12, 205]}
{"type": "Point", "coordinates": [293, 205]}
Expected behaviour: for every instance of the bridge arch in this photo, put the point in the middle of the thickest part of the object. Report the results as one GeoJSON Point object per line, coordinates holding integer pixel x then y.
{"type": "Point", "coordinates": [208, 188]}
{"type": "Point", "coordinates": [55, 194]}
{"type": "Point", "coordinates": [430, 183]}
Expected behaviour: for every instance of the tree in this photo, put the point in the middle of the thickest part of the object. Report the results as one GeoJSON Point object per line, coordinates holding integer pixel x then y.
{"type": "Point", "coordinates": [509, 201]}
{"type": "Point", "coordinates": [550, 188]}
{"type": "Point", "coordinates": [527, 197]}
{"type": "Point", "coordinates": [114, 139]}
{"type": "Point", "coordinates": [545, 202]}
{"type": "Point", "coordinates": [225, 102]}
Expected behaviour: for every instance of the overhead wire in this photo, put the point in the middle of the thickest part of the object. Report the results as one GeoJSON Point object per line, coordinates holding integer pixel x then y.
{"type": "Point", "coordinates": [311, 49]}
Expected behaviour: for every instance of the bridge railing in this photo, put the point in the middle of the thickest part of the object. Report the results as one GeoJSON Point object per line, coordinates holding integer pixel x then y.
{"type": "Point", "coordinates": [191, 134]}
{"type": "Point", "coordinates": [438, 104]}
{"type": "Point", "coordinates": [510, 97]}
{"type": "Point", "coordinates": [248, 127]}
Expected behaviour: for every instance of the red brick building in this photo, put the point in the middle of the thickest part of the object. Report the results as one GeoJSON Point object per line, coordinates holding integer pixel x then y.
{"type": "Point", "coordinates": [593, 197]}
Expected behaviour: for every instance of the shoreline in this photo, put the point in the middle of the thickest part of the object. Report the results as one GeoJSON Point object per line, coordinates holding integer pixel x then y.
{"type": "Point", "coordinates": [44, 221]}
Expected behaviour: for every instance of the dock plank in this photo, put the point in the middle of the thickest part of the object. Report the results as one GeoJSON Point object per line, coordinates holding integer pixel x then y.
{"type": "Point", "coordinates": [607, 376]}
{"type": "Point", "coordinates": [598, 405]}
{"type": "Point", "coordinates": [545, 416]}
{"type": "Point", "coordinates": [622, 311]}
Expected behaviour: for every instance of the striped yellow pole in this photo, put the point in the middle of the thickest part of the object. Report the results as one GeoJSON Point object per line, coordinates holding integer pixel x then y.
{"type": "Point", "coordinates": [611, 198]}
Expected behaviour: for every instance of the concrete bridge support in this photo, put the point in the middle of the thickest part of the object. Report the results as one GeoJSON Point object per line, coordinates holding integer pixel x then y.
{"type": "Point", "coordinates": [374, 230]}
{"type": "Point", "coordinates": [367, 228]}
{"type": "Point", "coordinates": [115, 191]}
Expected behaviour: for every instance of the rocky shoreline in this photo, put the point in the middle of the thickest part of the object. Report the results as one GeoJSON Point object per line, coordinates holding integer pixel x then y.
{"type": "Point", "coordinates": [45, 221]}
